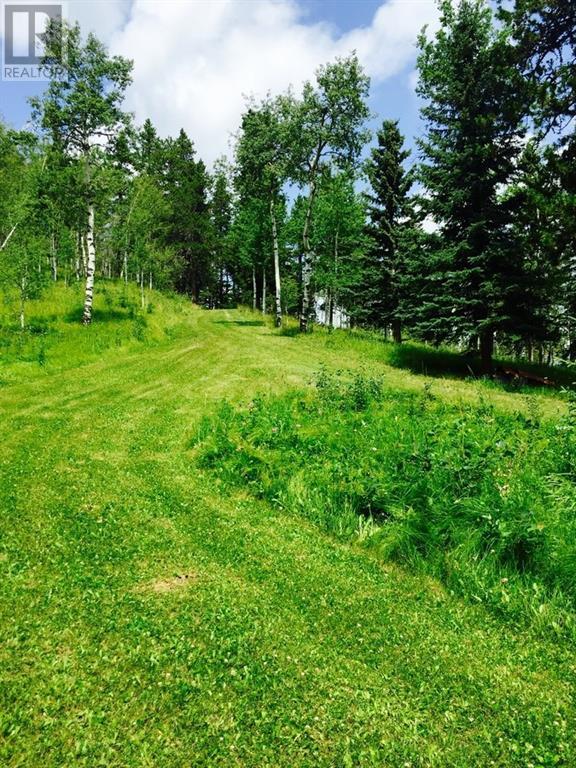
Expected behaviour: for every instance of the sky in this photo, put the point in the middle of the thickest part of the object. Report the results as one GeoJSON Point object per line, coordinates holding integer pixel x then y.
{"type": "Point", "coordinates": [196, 61]}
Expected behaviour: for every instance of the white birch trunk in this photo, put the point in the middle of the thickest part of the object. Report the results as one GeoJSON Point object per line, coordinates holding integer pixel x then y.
{"type": "Point", "coordinates": [7, 239]}
{"type": "Point", "coordinates": [307, 261]}
{"type": "Point", "coordinates": [22, 303]}
{"type": "Point", "coordinates": [253, 288]}
{"type": "Point", "coordinates": [277, 287]}
{"type": "Point", "coordinates": [53, 260]}
{"type": "Point", "coordinates": [90, 267]}
{"type": "Point", "coordinates": [83, 250]}
{"type": "Point", "coordinates": [263, 291]}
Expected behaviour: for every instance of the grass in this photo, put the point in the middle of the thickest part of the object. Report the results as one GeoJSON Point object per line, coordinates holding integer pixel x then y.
{"type": "Point", "coordinates": [154, 612]}
{"type": "Point", "coordinates": [480, 498]}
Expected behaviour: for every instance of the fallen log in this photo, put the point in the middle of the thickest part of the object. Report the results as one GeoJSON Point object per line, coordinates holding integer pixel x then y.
{"type": "Point", "coordinates": [523, 377]}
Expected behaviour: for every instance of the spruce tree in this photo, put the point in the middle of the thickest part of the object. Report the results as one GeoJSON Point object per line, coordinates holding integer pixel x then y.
{"type": "Point", "coordinates": [389, 215]}
{"type": "Point", "coordinates": [473, 119]}
{"type": "Point", "coordinates": [189, 227]}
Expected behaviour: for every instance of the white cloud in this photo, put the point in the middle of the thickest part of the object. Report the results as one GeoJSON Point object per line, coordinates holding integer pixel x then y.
{"type": "Point", "coordinates": [195, 60]}
{"type": "Point", "coordinates": [103, 17]}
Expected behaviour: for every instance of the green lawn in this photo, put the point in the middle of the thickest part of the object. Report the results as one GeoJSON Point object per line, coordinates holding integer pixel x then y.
{"type": "Point", "coordinates": [152, 615]}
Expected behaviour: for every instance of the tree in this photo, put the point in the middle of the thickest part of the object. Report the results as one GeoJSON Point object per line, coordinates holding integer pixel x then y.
{"type": "Point", "coordinates": [544, 32]}
{"type": "Point", "coordinates": [185, 183]}
{"type": "Point", "coordinates": [325, 125]}
{"type": "Point", "coordinates": [473, 114]}
{"type": "Point", "coordinates": [535, 202]}
{"type": "Point", "coordinates": [261, 157]}
{"type": "Point", "coordinates": [81, 112]}
{"type": "Point", "coordinates": [390, 214]}
{"type": "Point", "coordinates": [23, 240]}
{"type": "Point", "coordinates": [221, 210]}
{"type": "Point", "coordinates": [339, 243]}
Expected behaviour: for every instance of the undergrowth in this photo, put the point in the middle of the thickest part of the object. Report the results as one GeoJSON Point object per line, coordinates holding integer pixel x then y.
{"type": "Point", "coordinates": [481, 498]}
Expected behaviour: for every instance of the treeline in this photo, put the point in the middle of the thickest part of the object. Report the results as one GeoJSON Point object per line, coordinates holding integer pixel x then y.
{"type": "Point", "coordinates": [470, 242]}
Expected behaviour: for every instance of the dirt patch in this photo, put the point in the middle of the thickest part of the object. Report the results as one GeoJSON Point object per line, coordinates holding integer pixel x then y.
{"type": "Point", "coordinates": [161, 586]}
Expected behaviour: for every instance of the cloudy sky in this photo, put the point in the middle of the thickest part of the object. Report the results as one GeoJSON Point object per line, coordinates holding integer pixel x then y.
{"type": "Point", "coordinates": [195, 61]}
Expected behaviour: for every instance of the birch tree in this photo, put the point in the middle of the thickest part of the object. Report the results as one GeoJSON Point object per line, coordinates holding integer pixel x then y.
{"type": "Point", "coordinates": [23, 239]}
{"type": "Point", "coordinates": [81, 112]}
{"type": "Point", "coordinates": [326, 125]}
{"type": "Point", "coordinates": [261, 155]}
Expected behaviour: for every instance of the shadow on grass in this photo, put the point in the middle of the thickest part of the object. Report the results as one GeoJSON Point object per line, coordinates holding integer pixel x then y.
{"type": "Point", "coordinates": [100, 315]}
{"type": "Point", "coordinates": [439, 363]}
{"type": "Point", "coordinates": [289, 330]}
{"type": "Point", "coordinates": [240, 322]}
{"type": "Point", "coordinates": [428, 361]}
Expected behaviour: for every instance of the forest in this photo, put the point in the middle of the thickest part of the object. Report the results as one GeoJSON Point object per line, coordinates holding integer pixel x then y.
{"type": "Point", "coordinates": [469, 242]}
{"type": "Point", "coordinates": [288, 440]}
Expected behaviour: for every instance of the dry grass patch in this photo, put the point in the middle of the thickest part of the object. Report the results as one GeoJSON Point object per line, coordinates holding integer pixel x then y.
{"type": "Point", "coordinates": [170, 584]}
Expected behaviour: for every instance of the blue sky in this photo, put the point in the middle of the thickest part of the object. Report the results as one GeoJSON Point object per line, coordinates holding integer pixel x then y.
{"type": "Point", "coordinates": [345, 14]}
{"type": "Point", "coordinates": [195, 59]}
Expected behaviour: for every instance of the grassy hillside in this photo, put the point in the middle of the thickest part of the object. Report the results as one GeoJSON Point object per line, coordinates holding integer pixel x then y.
{"type": "Point", "coordinates": [161, 605]}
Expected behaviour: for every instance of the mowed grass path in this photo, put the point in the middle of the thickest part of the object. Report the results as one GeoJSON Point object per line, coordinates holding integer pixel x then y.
{"type": "Point", "coordinates": [148, 618]}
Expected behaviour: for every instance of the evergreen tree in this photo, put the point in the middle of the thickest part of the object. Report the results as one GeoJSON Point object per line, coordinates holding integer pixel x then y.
{"type": "Point", "coordinates": [389, 213]}
{"type": "Point", "coordinates": [473, 117]}
{"type": "Point", "coordinates": [534, 201]}
{"type": "Point", "coordinates": [189, 227]}
{"type": "Point", "coordinates": [545, 35]}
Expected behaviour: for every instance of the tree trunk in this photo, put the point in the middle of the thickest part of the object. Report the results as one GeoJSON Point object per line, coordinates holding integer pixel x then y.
{"type": "Point", "coordinates": [263, 291]}
{"type": "Point", "coordinates": [150, 281]}
{"type": "Point", "coordinates": [486, 351]}
{"type": "Point", "coordinates": [53, 260]}
{"type": "Point", "coordinates": [7, 240]}
{"type": "Point", "coordinates": [142, 300]}
{"type": "Point", "coordinates": [277, 288]}
{"type": "Point", "coordinates": [330, 309]}
{"type": "Point", "coordinates": [397, 330]}
{"type": "Point", "coordinates": [84, 254]}
{"type": "Point", "coordinates": [253, 287]}
{"type": "Point", "coordinates": [307, 260]}
{"type": "Point", "coordinates": [334, 293]}
{"type": "Point", "coordinates": [22, 302]}
{"type": "Point", "coordinates": [90, 267]}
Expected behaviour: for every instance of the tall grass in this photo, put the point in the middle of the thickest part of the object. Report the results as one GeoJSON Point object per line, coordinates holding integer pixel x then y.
{"type": "Point", "coordinates": [54, 337]}
{"type": "Point", "coordinates": [481, 498]}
